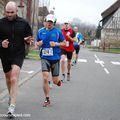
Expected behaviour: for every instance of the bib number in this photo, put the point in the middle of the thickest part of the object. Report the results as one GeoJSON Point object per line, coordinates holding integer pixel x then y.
{"type": "Point", "coordinates": [67, 43]}
{"type": "Point", "coordinates": [47, 52]}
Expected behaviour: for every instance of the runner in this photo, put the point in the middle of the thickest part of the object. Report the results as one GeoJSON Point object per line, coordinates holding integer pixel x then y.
{"type": "Point", "coordinates": [14, 33]}
{"type": "Point", "coordinates": [50, 40]}
{"type": "Point", "coordinates": [37, 45]}
{"type": "Point", "coordinates": [76, 44]}
{"type": "Point", "coordinates": [67, 50]}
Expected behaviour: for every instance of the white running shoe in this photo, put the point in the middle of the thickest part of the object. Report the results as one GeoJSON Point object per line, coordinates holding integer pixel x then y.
{"type": "Point", "coordinates": [68, 76]}
{"type": "Point", "coordinates": [11, 110]}
{"type": "Point", "coordinates": [63, 78]}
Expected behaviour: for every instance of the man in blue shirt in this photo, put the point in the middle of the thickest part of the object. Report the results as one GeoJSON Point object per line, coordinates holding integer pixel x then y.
{"type": "Point", "coordinates": [50, 39]}
{"type": "Point", "coordinates": [79, 37]}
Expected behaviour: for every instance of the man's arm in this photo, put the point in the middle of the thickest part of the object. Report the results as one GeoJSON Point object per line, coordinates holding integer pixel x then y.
{"type": "Point", "coordinates": [28, 35]}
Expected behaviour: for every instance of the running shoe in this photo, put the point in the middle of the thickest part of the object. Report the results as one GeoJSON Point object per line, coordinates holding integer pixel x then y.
{"type": "Point", "coordinates": [68, 76]}
{"type": "Point", "coordinates": [63, 78]}
{"type": "Point", "coordinates": [11, 110]}
{"type": "Point", "coordinates": [46, 103]}
{"type": "Point", "coordinates": [74, 63]}
{"type": "Point", "coordinates": [9, 99]}
{"type": "Point", "coordinates": [59, 83]}
{"type": "Point", "coordinates": [50, 83]}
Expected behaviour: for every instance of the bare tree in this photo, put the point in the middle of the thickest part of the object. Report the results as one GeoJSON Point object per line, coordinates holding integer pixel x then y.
{"type": "Point", "coordinates": [88, 30]}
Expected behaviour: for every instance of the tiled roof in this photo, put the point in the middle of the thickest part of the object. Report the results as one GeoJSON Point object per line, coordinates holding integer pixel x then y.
{"type": "Point", "coordinates": [111, 9]}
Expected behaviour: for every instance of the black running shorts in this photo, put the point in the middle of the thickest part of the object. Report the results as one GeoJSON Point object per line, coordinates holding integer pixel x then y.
{"type": "Point", "coordinates": [68, 54]}
{"type": "Point", "coordinates": [8, 62]}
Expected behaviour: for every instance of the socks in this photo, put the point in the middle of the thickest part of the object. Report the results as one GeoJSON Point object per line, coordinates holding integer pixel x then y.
{"type": "Point", "coordinates": [47, 98]}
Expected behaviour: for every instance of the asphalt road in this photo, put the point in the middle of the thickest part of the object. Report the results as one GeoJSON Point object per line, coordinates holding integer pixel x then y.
{"type": "Point", "coordinates": [92, 94]}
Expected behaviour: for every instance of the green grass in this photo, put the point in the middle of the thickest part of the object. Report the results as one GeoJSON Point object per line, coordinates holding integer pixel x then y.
{"type": "Point", "coordinates": [111, 50]}
{"type": "Point", "coordinates": [33, 54]}
{"type": "Point", "coordinates": [115, 50]}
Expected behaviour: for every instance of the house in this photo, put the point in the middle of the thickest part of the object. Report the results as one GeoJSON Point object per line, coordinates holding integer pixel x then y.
{"type": "Point", "coordinates": [110, 32]}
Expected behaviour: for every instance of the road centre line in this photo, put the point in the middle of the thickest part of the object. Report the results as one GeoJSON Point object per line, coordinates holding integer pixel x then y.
{"type": "Point", "coordinates": [105, 69]}
{"type": "Point", "coordinates": [101, 63]}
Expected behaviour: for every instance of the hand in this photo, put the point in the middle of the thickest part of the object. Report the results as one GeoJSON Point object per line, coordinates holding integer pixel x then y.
{"type": "Point", "coordinates": [29, 40]}
{"type": "Point", "coordinates": [5, 43]}
{"type": "Point", "coordinates": [52, 44]}
{"type": "Point", "coordinates": [39, 43]}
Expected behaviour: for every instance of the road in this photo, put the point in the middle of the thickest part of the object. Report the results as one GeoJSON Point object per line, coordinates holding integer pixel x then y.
{"type": "Point", "coordinates": [92, 94]}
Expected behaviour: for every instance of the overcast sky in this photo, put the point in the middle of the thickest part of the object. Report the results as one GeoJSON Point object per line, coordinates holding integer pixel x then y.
{"type": "Point", "coordinates": [88, 11]}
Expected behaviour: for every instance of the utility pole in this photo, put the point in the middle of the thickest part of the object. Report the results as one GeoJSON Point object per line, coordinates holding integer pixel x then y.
{"type": "Point", "coordinates": [21, 5]}
{"type": "Point", "coordinates": [28, 16]}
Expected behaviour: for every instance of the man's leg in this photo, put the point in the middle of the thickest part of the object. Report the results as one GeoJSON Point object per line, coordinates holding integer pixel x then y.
{"type": "Point", "coordinates": [69, 57]}
{"type": "Point", "coordinates": [12, 80]}
{"type": "Point", "coordinates": [12, 83]}
{"type": "Point", "coordinates": [68, 65]}
{"type": "Point", "coordinates": [46, 88]}
{"type": "Point", "coordinates": [56, 80]}
{"type": "Point", "coordinates": [63, 64]}
{"type": "Point", "coordinates": [77, 52]}
{"type": "Point", "coordinates": [45, 83]}
{"type": "Point", "coordinates": [63, 57]}
{"type": "Point", "coordinates": [7, 76]}
{"type": "Point", "coordinates": [55, 70]}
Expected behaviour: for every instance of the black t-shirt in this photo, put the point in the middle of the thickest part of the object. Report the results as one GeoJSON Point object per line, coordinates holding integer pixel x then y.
{"type": "Point", "coordinates": [14, 31]}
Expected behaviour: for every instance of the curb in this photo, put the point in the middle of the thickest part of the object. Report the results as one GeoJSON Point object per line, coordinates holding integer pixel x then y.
{"type": "Point", "coordinates": [4, 93]}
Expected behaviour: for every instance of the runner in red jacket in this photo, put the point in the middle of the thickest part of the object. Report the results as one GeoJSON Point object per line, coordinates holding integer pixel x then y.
{"type": "Point", "coordinates": [67, 50]}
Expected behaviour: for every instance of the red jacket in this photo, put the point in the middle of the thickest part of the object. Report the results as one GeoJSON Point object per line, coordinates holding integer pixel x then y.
{"type": "Point", "coordinates": [70, 47]}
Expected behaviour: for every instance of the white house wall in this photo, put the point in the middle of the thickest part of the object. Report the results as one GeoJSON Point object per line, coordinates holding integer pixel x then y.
{"type": "Point", "coordinates": [111, 30]}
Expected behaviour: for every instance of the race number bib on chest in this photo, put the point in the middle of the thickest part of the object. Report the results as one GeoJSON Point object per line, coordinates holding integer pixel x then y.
{"type": "Point", "coordinates": [47, 52]}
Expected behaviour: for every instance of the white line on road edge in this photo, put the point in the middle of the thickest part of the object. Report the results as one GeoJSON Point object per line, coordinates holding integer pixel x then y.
{"type": "Point", "coordinates": [105, 69]}
{"type": "Point", "coordinates": [29, 72]}
{"type": "Point", "coordinates": [115, 63]}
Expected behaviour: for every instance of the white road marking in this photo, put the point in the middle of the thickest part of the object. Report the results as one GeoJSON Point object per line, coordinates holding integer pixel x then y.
{"type": "Point", "coordinates": [96, 57]}
{"type": "Point", "coordinates": [105, 69]}
{"type": "Point", "coordinates": [82, 60]}
{"type": "Point", "coordinates": [101, 63]}
{"type": "Point", "coordinates": [79, 60]}
{"type": "Point", "coordinates": [29, 72]}
{"type": "Point", "coordinates": [115, 63]}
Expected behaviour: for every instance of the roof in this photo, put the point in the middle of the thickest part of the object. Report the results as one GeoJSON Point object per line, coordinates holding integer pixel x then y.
{"type": "Point", "coordinates": [111, 9]}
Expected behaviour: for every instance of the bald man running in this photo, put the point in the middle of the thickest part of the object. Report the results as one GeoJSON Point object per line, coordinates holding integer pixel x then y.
{"type": "Point", "coordinates": [15, 32]}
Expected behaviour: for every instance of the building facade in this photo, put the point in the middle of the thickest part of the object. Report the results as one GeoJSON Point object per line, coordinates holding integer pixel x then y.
{"type": "Point", "coordinates": [110, 33]}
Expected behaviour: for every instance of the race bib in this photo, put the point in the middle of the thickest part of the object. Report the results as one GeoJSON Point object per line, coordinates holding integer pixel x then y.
{"type": "Point", "coordinates": [47, 52]}
{"type": "Point", "coordinates": [67, 43]}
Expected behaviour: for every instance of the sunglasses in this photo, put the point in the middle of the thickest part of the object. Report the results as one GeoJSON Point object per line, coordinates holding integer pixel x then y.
{"type": "Point", "coordinates": [66, 23]}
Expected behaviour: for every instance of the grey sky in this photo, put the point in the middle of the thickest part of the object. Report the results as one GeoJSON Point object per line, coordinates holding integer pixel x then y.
{"type": "Point", "coordinates": [88, 11]}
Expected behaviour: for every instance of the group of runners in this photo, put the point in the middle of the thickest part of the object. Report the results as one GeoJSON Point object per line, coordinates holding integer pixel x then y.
{"type": "Point", "coordinates": [56, 46]}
